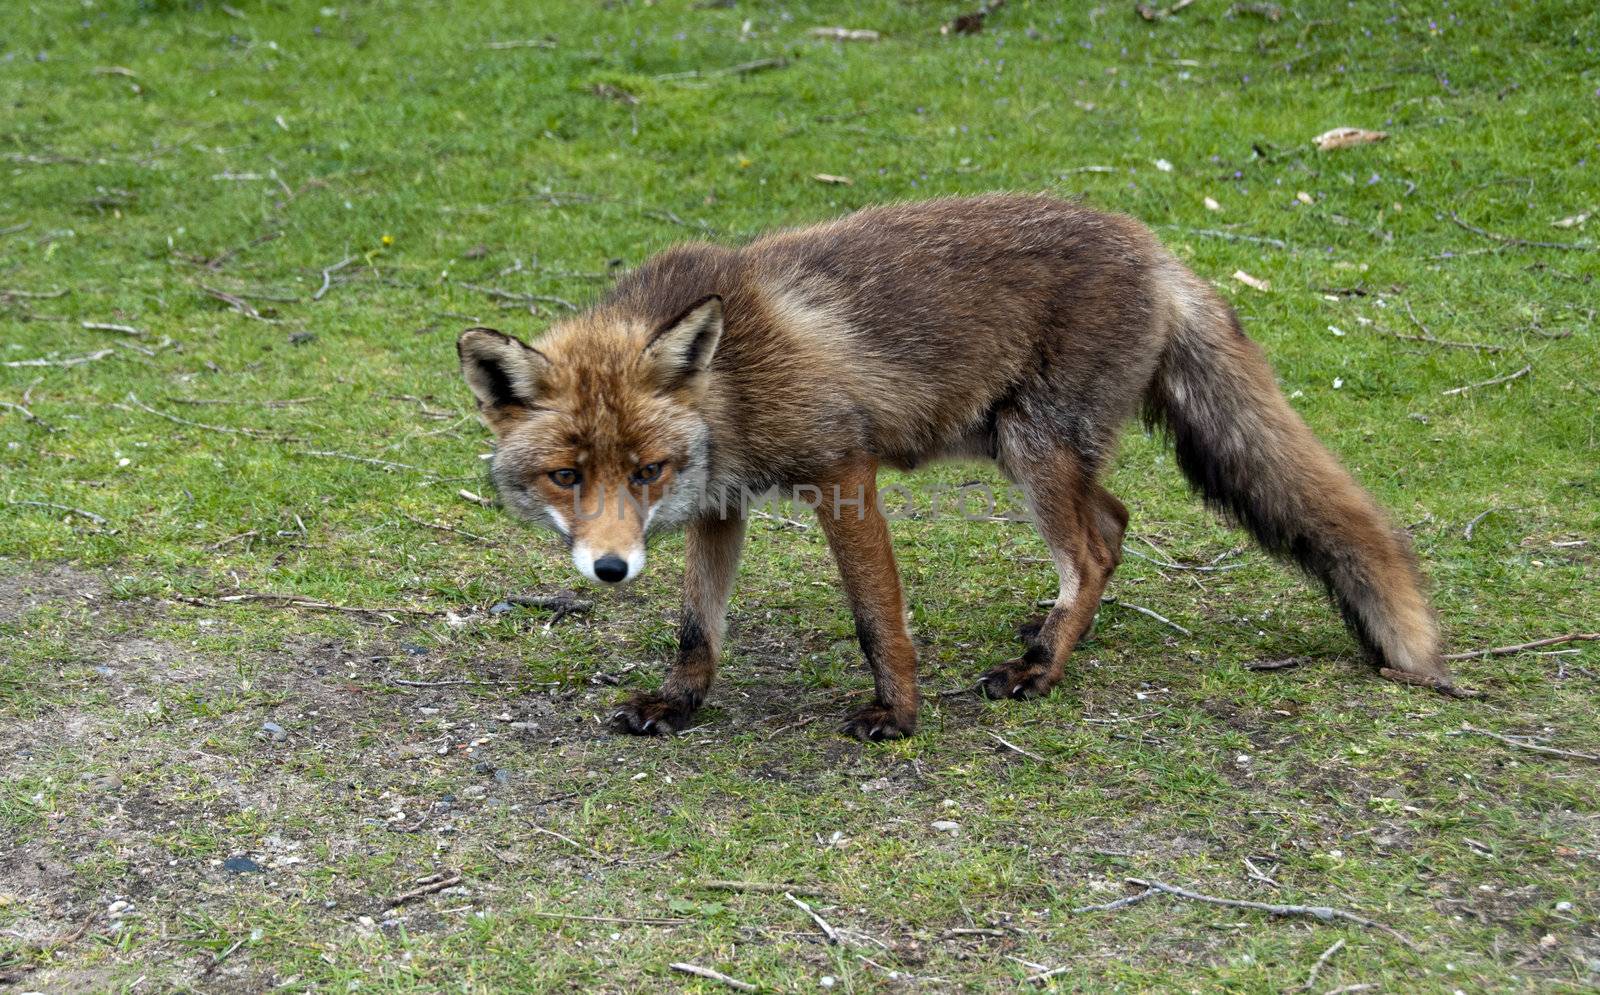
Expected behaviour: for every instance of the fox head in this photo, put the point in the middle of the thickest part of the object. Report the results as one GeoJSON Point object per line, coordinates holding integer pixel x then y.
{"type": "Point", "coordinates": [599, 429]}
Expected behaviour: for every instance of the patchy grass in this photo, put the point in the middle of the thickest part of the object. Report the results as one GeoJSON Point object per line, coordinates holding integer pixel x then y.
{"type": "Point", "coordinates": [352, 172]}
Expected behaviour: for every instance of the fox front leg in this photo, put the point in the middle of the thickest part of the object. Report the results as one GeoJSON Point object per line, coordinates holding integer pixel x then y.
{"type": "Point", "coordinates": [711, 554]}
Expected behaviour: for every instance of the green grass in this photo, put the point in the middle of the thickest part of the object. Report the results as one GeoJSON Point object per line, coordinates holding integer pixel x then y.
{"type": "Point", "coordinates": [151, 150]}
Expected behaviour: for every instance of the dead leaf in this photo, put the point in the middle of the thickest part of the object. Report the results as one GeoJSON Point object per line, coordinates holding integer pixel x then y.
{"type": "Point", "coordinates": [1575, 221]}
{"type": "Point", "coordinates": [845, 34]}
{"type": "Point", "coordinates": [830, 178]}
{"type": "Point", "coordinates": [1304, 198]}
{"type": "Point", "coordinates": [1343, 138]}
{"type": "Point", "coordinates": [1252, 281]}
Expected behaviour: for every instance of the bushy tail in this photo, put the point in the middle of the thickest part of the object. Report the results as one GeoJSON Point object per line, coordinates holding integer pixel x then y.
{"type": "Point", "coordinates": [1250, 456]}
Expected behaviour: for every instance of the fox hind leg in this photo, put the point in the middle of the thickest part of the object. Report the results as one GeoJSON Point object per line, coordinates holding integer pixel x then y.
{"type": "Point", "coordinates": [1082, 524]}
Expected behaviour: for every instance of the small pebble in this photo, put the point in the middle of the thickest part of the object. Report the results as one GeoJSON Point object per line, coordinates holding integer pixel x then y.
{"type": "Point", "coordinates": [241, 865]}
{"type": "Point", "coordinates": [946, 826]}
{"type": "Point", "coordinates": [274, 731]}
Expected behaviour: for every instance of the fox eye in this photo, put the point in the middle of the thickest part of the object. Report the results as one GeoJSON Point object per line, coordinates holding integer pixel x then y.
{"type": "Point", "coordinates": [565, 477]}
{"type": "Point", "coordinates": [647, 474]}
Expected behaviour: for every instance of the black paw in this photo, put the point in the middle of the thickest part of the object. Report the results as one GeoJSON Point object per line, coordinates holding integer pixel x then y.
{"type": "Point", "coordinates": [1024, 677]}
{"type": "Point", "coordinates": [875, 723]}
{"type": "Point", "coordinates": [651, 714]}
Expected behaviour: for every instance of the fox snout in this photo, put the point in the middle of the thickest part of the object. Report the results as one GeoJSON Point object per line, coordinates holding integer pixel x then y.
{"type": "Point", "coordinates": [608, 566]}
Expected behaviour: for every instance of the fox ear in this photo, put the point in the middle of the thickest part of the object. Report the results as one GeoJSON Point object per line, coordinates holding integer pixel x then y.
{"type": "Point", "coordinates": [503, 372]}
{"type": "Point", "coordinates": [681, 349]}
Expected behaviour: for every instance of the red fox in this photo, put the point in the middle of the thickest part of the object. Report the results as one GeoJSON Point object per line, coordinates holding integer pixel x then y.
{"type": "Point", "coordinates": [1025, 330]}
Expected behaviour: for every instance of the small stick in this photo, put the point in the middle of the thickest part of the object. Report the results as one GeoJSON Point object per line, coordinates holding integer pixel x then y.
{"type": "Point", "coordinates": [1125, 718]}
{"type": "Point", "coordinates": [1276, 243]}
{"type": "Point", "coordinates": [327, 276]}
{"type": "Point", "coordinates": [523, 43]}
{"type": "Point", "coordinates": [69, 361]}
{"type": "Point", "coordinates": [1316, 968]}
{"type": "Point", "coordinates": [1145, 611]}
{"type": "Point", "coordinates": [426, 889]}
{"type": "Point", "coordinates": [1322, 912]}
{"type": "Point", "coordinates": [445, 528]}
{"type": "Point", "coordinates": [106, 326]}
{"type": "Point", "coordinates": [1120, 903]}
{"type": "Point", "coordinates": [1466, 533]}
{"type": "Point", "coordinates": [1571, 637]}
{"type": "Point", "coordinates": [298, 601]}
{"type": "Point", "coordinates": [708, 973]}
{"type": "Point", "coordinates": [231, 539]}
{"type": "Point", "coordinates": [1169, 565]}
{"type": "Point", "coordinates": [1256, 874]}
{"type": "Point", "coordinates": [764, 886]}
{"type": "Point", "coordinates": [27, 413]}
{"type": "Point", "coordinates": [33, 295]}
{"type": "Point", "coordinates": [1034, 979]}
{"type": "Point", "coordinates": [236, 302]}
{"type": "Point", "coordinates": [742, 69]}
{"type": "Point", "coordinates": [508, 295]}
{"type": "Point", "coordinates": [827, 930]}
{"type": "Point", "coordinates": [1525, 243]}
{"type": "Point", "coordinates": [91, 516]}
{"type": "Point", "coordinates": [1015, 748]}
{"type": "Point", "coordinates": [477, 499]}
{"type": "Point", "coordinates": [596, 854]}
{"type": "Point", "coordinates": [386, 464]}
{"type": "Point", "coordinates": [1401, 677]}
{"type": "Point", "coordinates": [1490, 383]}
{"type": "Point", "coordinates": [253, 433]}
{"type": "Point", "coordinates": [1534, 747]}
{"type": "Point", "coordinates": [632, 921]}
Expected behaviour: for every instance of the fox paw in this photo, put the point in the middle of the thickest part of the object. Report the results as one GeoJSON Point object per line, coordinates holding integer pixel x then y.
{"type": "Point", "coordinates": [651, 714]}
{"type": "Point", "coordinates": [1022, 677]}
{"type": "Point", "coordinates": [876, 723]}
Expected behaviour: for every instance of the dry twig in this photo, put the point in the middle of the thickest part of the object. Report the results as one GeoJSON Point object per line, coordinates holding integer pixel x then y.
{"type": "Point", "coordinates": [1015, 748]}
{"type": "Point", "coordinates": [69, 361]}
{"type": "Point", "coordinates": [1523, 242]}
{"type": "Point", "coordinates": [327, 276]}
{"type": "Point", "coordinates": [91, 516]}
{"type": "Point", "coordinates": [1571, 637]}
{"type": "Point", "coordinates": [827, 930]}
{"type": "Point", "coordinates": [430, 884]}
{"type": "Point", "coordinates": [1324, 913]}
{"type": "Point", "coordinates": [764, 886]}
{"type": "Point", "coordinates": [253, 433]}
{"type": "Point", "coordinates": [1534, 747]}
{"type": "Point", "coordinates": [1120, 903]}
{"type": "Point", "coordinates": [1490, 383]}
{"type": "Point", "coordinates": [709, 974]}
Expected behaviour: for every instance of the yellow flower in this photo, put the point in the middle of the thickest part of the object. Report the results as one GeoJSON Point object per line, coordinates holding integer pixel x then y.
{"type": "Point", "coordinates": [388, 240]}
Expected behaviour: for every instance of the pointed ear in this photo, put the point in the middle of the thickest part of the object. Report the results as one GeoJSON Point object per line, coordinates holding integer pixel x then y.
{"type": "Point", "coordinates": [503, 372]}
{"type": "Point", "coordinates": [681, 349]}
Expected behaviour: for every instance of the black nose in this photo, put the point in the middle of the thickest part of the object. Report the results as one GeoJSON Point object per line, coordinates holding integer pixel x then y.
{"type": "Point", "coordinates": [611, 568]}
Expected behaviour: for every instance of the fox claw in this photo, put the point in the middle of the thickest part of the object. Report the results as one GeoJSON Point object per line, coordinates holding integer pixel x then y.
{"type": "Point", "coordinates": [649, 714]}
{"type": "Point", "coordinates": [1024, 678]}
{"type": "Point", "coordinates": [874, 724]}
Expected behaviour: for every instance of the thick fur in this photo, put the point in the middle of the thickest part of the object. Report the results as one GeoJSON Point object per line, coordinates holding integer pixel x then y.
{"type": "Point", "coordinates": [1022, 329]}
